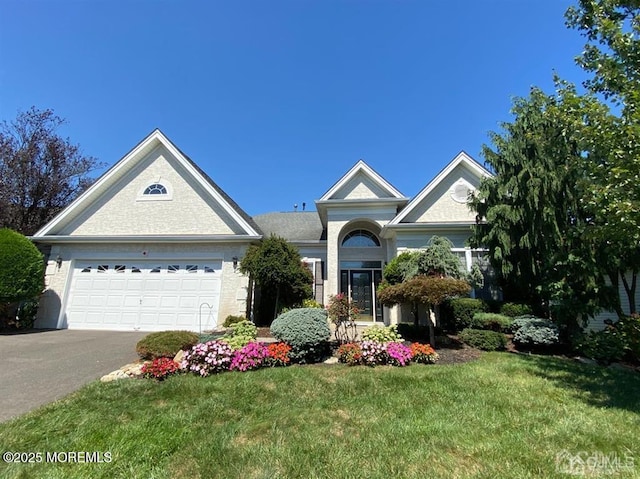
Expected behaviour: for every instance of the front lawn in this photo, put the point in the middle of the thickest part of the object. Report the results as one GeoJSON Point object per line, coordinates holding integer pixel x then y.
{"type": "Point", "coordinates": [503, 416]}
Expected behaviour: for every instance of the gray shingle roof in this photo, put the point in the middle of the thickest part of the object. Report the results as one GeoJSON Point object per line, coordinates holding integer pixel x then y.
{"type": "Point", "coordinates": [292, 225]}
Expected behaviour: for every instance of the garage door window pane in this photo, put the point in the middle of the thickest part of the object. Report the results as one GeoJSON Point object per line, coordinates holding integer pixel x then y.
{"type": "Point", "coordinates": [156, 269]}
{"type": "Point", "coordinates": [86, 270]}
{"type": "Point", "coordinates": [209, 269]}
{"type": "Point", "coordinates": [119, 268]}
{"type": "Point", "coordinates": [135, 269]}
{"type": "Point", "coordinates": [173, 268]}
{"type": "Point", "coordinates": [103, 268]}
{"type": "Point", "coordinates": [192, 268]}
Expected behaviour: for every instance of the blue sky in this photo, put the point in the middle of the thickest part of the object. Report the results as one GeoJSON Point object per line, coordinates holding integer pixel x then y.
{"type": "Point", "coordinates": [276, 100]}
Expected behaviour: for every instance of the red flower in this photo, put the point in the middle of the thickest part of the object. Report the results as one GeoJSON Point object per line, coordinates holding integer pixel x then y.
{"type": "Point", "coordinates": [279, 353]}
{"type": "Point", "coordinates": [160, 368]}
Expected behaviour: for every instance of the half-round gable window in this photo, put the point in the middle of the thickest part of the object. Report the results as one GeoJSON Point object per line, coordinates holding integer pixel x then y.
{"type": "Point", "coordinates": [155, 189]}
{"type": "Point", "coordinates": [361, 239]}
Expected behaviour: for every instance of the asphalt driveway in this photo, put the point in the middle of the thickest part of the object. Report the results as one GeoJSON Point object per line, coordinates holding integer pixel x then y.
{"type": "Point", "coordinates": [43, 366]}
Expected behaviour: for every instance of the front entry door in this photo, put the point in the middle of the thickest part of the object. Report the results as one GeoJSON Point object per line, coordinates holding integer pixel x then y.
{"type": "Point", "coordinates": [362, 294]}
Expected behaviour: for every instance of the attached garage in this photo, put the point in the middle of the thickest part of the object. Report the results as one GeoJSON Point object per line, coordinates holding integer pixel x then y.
{"type": "Point", "coordinates": [131, 295]}
{"type": "Point", "coordinates": [152, 245]}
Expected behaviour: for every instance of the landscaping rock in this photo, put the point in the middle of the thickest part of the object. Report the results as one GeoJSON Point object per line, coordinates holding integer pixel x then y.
{"type": "Point", "coordinates": [331, 360]}
{"type": "Point", "coordinates": [129, 371]}
{"type": "Point", "coordinates": [582, 360]}
{"type": "Point", "coordinates": [113, 376]}
{"type": "Point", "coordinates": [178, 357]}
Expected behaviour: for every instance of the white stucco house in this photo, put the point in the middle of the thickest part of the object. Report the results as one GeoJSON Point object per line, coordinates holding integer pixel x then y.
{"type": "Point", "coordinates": [154, 243]}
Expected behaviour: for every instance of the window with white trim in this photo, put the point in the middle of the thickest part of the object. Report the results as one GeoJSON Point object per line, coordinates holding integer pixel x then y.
{"type": "Point", "coordinates": [155, 189]}
{"type": "Point", "coordinates": [360, 239]}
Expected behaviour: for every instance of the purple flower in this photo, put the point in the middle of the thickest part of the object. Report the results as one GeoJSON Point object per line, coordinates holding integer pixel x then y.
{"type": "Point", "coordinates": [251, 356]}
{"type": "Point", "coordinates": [399, 354]}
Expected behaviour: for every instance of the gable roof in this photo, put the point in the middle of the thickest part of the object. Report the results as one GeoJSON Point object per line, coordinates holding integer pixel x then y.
{"type": "Point", "coordinates": [361, 168]}
{"type": "Point", "coordinates": [136, 154]}
{"type": "Point", "coordinates": [461, 159]}
{"type": "Point", "coordinates": [300, 226]}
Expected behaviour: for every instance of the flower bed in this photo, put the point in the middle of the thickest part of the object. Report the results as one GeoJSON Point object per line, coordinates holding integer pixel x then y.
{"type": "Point", "coordinates": [217, 356]}
{"type": "Point", "coordinates": [373, 353]}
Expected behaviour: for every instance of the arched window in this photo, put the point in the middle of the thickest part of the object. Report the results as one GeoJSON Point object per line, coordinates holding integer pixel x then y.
{"type": "Point", "coordinates": [155, 189]}
{"type": "Point", "coordinates": [361, 239]}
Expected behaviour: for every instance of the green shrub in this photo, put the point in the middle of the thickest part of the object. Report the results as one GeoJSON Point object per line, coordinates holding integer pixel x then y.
{"type": "Point", "coordinates": [629, 327]}
{"type": "Point", "coordinates": [231, 320]}
{"type": "Point", "coordinates": [311, 303]}
{"type": "Point", "coordinates": [514, 310]}
{"type": "Point", "coordinates": [26, 313]}
{"type": "Point", "coordinates": [165, 344]}
{"type": "Point", "coordinates": [382, 334]}
{"type": "Point", "coordinates": [492, 321]}
{"type": "Point", "coordinates": [535, 333]}
{"type": "Point", "coordinates": [620, 340]}
{"type": "Point", "coordinates": [484, 339]}
{"type": "Point", "coordinates": [306, 330]}
{"type": "Point", "coordinates": [459, 313]}
{"type": "Point", "coordinates": [241, 334]}
{"type": "Point", "coordinates": [21, 268]}
{"type": "Point", "coordinates": [605, 346]}
{"type": "Point", "coordinates": [523, 320]}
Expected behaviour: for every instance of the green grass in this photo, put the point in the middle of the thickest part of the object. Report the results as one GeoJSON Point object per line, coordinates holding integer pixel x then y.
{"type": "Point", "coordinates": [504, 416]}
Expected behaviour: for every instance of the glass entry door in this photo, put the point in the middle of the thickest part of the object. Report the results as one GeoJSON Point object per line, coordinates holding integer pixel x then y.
{"type": "Point", "coordinates": [361, 294]}
{"type": "Point", "coordinates": [360, 285]}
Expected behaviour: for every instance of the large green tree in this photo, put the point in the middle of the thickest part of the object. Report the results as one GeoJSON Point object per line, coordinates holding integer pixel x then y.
{"type": "Point", "coordinates": [40, 171]}
{"type": "Point", "coordinates": [612, 56]}
{"type": "Point", "coordinates": [532, 216]}
{"type": "Point", "coordinates": [276, 267]}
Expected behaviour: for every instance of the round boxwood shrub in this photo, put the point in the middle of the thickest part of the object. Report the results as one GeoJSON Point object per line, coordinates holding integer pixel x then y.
{"type": "Point", "coordinates": [306, 330]}
{"type": "Point", "coordinates": [514, 310]}
{"type": "Point", "coordinates": [21, 268]}
{"type": "Point", "coordinates": [165, 344]}
{"type": "Point", "coordinates": [484, 339]}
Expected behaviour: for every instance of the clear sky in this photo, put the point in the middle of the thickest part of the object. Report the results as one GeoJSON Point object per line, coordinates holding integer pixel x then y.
{"type": "Point", "coordinates": [276, 100]}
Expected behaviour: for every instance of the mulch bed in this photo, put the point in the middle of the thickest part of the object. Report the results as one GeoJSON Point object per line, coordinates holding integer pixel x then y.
{"type": "Point", "coordinates": [457, 355]}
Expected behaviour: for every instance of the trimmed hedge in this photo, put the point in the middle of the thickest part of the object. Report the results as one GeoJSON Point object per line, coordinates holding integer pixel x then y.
{"type": "Point", "coordinates": [459, 313]}
{"type": "Point", "coordinates": [492, 321]}
{"type": "Point", "coordinates": [514, 310]}
{"type": "Point", "coordinates": [165, 344]}
{"type": "Point", "coordinates": [21, 268]}
{"type": "Point", "coordinates": [306, 330]}
{"type": "Point", "coordinates": [483, 339]}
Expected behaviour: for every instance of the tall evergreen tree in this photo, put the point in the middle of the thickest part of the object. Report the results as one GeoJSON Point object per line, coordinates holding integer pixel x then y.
{"type": "Point", "coordinates": [533, 219]}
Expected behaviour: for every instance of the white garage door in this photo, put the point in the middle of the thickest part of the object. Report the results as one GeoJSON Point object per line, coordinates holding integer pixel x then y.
{"type": "Point", "coordinates": [145, 296]}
